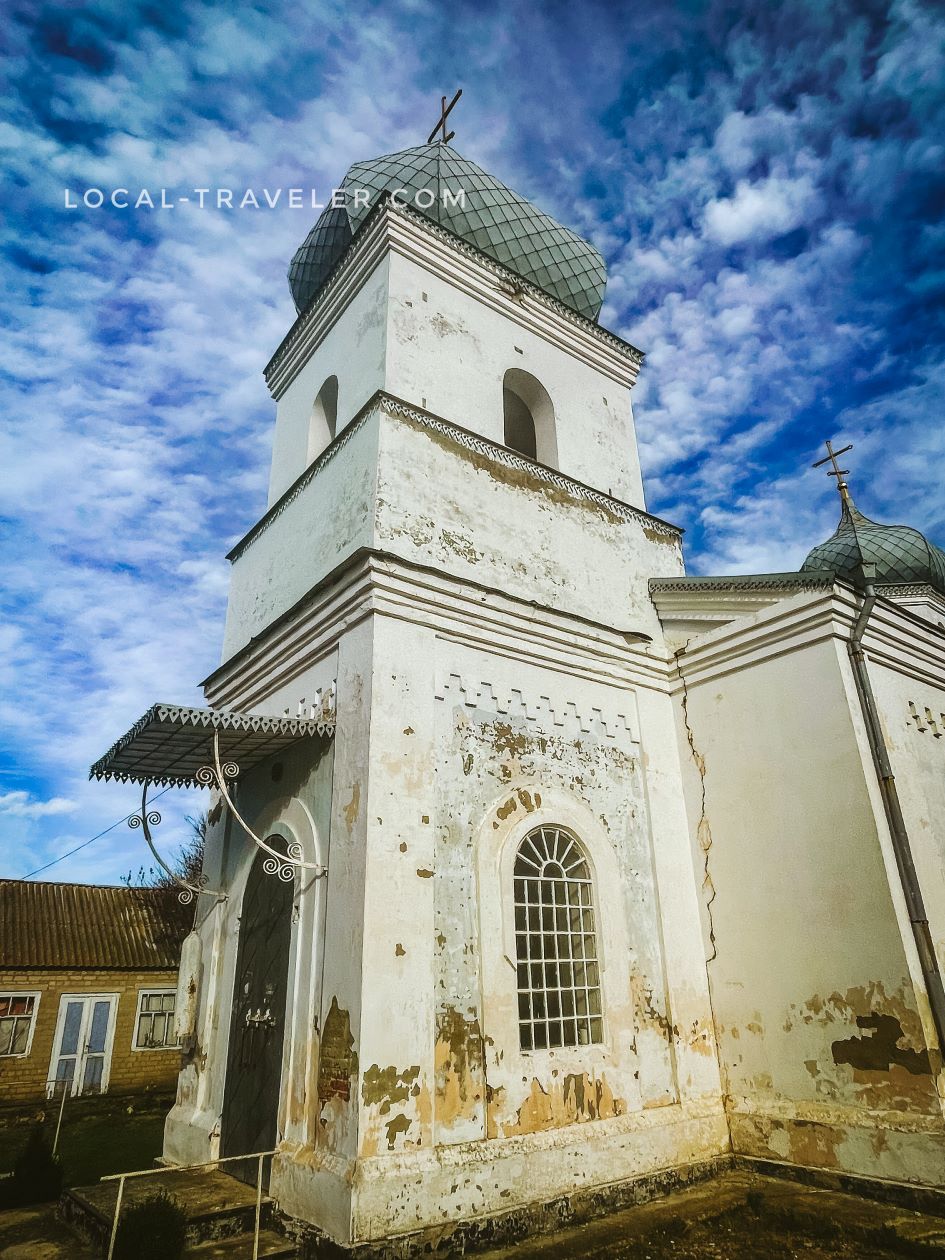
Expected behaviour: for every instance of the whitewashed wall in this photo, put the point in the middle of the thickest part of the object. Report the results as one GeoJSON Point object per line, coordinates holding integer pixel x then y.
{"type": "Point", "coordinates": [816, 991]}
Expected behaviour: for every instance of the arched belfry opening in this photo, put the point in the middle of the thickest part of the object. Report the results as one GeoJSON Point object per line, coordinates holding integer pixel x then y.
{"type": "Point", "coordinates": [529, 417]}
{"type": "Point", "coordinates": [322, 425]}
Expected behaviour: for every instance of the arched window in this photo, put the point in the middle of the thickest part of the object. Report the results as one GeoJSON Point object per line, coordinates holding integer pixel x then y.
{"type": "Point", "coordinates": [321, 428]}
{"type": "Point", "coordinates": [555, 943]}
{"type": "Point", "coordinates": [529, 417]}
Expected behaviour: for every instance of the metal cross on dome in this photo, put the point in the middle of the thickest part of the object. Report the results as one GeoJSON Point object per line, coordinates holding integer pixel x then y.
{"type": "Point", "coordinates": [445, 137]}
{"type": "Point", "coordinates": [838, 472]}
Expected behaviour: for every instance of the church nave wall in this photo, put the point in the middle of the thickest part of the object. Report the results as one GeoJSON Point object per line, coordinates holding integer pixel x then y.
{"type": "Point", "coordinates": [816, 990]}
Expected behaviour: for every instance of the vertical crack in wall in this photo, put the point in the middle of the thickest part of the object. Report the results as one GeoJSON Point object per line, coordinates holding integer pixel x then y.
{"type": "Point", "coordinates": [703, 829]}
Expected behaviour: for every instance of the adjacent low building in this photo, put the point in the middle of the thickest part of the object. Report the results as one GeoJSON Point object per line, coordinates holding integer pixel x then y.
{"type": "Point", "coordinates": [88, 979]}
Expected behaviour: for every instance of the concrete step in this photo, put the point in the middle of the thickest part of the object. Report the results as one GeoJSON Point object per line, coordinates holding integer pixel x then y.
{"type": "Point", "coordinates": [217, 1206]}
{"type": "Point", "coordinates": [240, 1247]}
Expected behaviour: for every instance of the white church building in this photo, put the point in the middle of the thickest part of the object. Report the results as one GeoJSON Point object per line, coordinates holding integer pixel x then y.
{"type": "Point", "coordinates": [541, 877]}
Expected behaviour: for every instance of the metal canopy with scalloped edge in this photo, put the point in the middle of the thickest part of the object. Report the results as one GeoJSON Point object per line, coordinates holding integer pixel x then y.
{"type": "Point", "coordinates": [494, 219]}
{"type": "Point", "coordinates": [170, 744]}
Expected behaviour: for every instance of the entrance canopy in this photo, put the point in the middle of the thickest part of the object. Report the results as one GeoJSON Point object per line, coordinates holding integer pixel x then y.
{"type": "Point", "coordinates": [170, 744]}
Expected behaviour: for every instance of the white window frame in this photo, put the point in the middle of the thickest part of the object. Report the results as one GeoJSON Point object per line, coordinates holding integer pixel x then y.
{"type": "Point", "coordinates": [90, 999]}
{"type": "Point", "coordinates": [164, 1049]}
{"type": "Point", "coordinates": [35, 994]}
{"type": "Point", "coordinates": [589, 1017]}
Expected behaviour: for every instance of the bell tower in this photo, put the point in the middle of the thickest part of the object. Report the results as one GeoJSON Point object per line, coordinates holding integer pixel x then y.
{"type": "Point", "coordinates": [496, 986]}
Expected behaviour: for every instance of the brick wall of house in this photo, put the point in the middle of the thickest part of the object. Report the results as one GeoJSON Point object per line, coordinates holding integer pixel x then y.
{"type": "Point", "coordinates": [132, 1071]}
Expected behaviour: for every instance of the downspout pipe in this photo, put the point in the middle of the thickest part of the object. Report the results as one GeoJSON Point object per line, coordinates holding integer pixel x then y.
{"type": "Point", "coordinates": [912, 891]}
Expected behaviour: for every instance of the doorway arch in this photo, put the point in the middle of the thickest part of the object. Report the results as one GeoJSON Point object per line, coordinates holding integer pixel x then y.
{"type": "Point", "coordinates": [258, 1017]}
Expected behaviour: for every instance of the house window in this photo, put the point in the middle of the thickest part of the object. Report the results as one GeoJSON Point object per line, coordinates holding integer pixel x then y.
{"type": "Point", "coordinates": [555, 943]}
{"type": "Point", "coordinates": [17, 1013]}
{"type": "Point", "coordinates": [154, 1029]}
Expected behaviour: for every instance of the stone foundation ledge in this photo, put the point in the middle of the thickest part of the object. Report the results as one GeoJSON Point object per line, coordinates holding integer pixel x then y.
{"type": "Point", "coordinates": [518, 1223]}
{"type": "Point", "coordinates": [847, 1143]}
{"type": "Point", "coordinates": [915, 1198]}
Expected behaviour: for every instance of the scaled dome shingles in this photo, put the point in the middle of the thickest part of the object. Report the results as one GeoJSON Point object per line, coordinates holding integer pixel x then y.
{"type": "Point", "coordinates": [496, 220]}
{"type": "Point", "coordinates": [900, 553]}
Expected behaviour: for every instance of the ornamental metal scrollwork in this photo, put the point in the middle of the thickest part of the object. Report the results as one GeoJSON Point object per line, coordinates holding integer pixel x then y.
{"type": "Point", "coordinates": [284, 865]}
{"type": "Point", "coordinates": [189, 889]}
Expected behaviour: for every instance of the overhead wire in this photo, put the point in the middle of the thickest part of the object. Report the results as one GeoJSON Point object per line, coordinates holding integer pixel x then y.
{"type": "Point", "coordinates": [85, 844]}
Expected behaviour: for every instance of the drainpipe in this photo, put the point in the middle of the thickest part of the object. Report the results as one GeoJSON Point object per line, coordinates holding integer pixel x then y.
{"type": "Point", "coordinates": [893, 810]}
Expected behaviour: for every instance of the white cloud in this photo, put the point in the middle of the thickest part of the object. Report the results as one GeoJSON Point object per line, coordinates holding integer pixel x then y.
{"type": "Point", "coordinates": [21, 805]}
{"type": "Point", "coordinates": [760, 211]}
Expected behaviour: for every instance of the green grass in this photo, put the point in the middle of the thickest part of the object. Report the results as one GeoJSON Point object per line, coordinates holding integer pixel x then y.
{"type": "Point", "coordinates": [95, 1146]}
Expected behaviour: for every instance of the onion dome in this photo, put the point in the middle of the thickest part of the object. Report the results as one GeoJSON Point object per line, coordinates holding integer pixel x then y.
{"type": "Point", "coordinates": [899, 553]}
{"type": "Point", "coordinates": [489, 216]}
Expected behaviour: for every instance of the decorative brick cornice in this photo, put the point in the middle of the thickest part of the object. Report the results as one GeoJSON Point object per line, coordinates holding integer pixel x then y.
{"type": "Point", "coordinates": [512, 702]}
{"type": "Point", "coordinates": [811, 581]}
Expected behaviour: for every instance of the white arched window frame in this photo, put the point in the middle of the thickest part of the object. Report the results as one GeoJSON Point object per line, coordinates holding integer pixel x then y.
{"type": "Point", "coordinates": [524, 805]}
{"type": "Point", "coordinates": [524, 397]}
{"type": "Point", "coordinates": [556, 942]}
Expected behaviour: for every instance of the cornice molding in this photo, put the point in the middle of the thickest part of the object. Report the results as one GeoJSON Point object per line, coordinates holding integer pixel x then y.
{"type": "Point", "coordinates": [895, 637]}
{"type": "Point", "coordinates": [389, 405]}
{"type": "Point", "coordinates": [378, 584]}
{"type": "Point", "coordinates": [392, 227]}
{"type": "Point", "coordinates": [745, 584]}
{"type": "Point", "coordinates": [742, 645]}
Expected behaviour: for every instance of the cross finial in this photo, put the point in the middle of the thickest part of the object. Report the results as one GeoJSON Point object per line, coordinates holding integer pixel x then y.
{"type": "Point", "coordinates": [837, 471]}
{"type": "Point", "coordinates": [445, 137]}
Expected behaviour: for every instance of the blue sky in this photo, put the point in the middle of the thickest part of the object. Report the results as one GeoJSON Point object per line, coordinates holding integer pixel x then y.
{"type": "Point", "coordinates": [766, 181]}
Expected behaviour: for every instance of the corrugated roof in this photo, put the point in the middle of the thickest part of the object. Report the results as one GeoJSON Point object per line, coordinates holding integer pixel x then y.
{"type": "Point", "coordinates": [93, 926]}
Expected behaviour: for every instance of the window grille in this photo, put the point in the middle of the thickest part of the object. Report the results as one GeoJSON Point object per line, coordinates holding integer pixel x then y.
{"type": "Point", "coordinates": [555, 943]}
{"type": "Point", "coordinates": [155, 1029]}
{"type": "Point", "coordinates": [17, 1011]}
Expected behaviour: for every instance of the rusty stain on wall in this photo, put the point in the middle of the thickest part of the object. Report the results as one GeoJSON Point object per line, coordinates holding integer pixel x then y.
{"type": "Point", "coordinates": [880, 1049]}
{"type": "Point", "coordinates": [887, 1064]}
{"type": "Point", "coordinates": [353, 806]}
{"type": "Point", "coordinates": [647, 1014]}
{"type": "Point", "coordinates": [458, 1060]}
{"type": "Point", "coordinates": [382, 1087]}
{"type": "Point", "coordinates": [573, 1098]}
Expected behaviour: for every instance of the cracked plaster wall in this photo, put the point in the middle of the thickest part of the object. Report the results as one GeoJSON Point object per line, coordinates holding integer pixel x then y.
{"type": "Point", "coordinates": [814, 988]}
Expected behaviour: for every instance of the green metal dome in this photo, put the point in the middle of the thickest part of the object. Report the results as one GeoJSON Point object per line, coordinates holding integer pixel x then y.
{"type": "Point", "coordinates": [899, 553]}
{"type": "Point", "coordinates": [494, 219]}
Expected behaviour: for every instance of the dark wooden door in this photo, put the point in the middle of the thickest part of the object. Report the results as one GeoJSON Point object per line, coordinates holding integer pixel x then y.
{"type": "Point", "coordinates": [257, 1026]}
